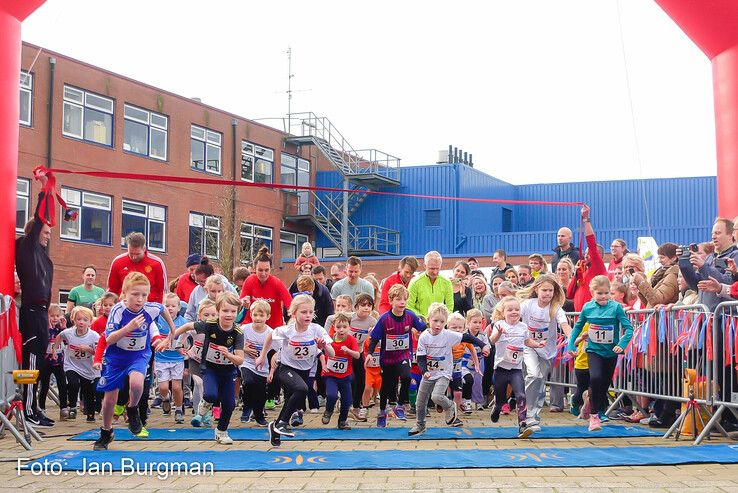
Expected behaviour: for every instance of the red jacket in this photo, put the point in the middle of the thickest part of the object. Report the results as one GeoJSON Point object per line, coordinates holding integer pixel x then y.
{"type": "Point", "coordinates": [151, 266]}
{"type": "Point", "coordinates": [185, 286]}
{"type": "Point", "coordinates": [384, 303]}
{"type": "Point", "coordinates": [579, 287]}
{"type": "Point", "coordinates": [273, 292]}
{"type": "Point", "coordinates": [98, 325]}
{"type": "Point", "coordinates": [613, 265]}
{"type": "Point", "coordinates": [302, 259]}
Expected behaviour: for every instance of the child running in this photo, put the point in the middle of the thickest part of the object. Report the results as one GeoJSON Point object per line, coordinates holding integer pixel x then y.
{"type": "Point", "coordinates": [474, 394]}
{"type": "Point", "coordinates": [222, 354]}
{"type": "Point", "coordinates": [107, 302]}
{"type": "Point", "coordinates": [53, 365]}
{"type": "Point", "coordinates": [461, 383]}
{"type": "Point", "coordinates": [362, 322]}
{"type": "Point", "coordinates": [606, 319]}
{"type": "Point", "coordinates": [130, 335]}
{"type": "Point", "coordinates": [392, 334]}
{"type": "Point", "coordinates": [338, 371]}
{"type": "Point", "coordinates": [542, 313]}
{"type": "Point", "coordinates": [169, 364]}
{"type": "Point", "coordinates": [435, 359]}
{"type": "Point", "coordinates": [300, 342]}
{"type": "Point", "coordinates": [80, 342]}
{"type": "Point", "coordinates": [253, 381]}
{"type": "Point", "coordinates": [510, 335]}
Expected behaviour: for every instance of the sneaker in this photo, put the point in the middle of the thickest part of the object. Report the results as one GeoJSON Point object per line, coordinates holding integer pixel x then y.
{"type": "Point", "coordinates": [261, 421]}
{"type": "Point", "coordinates": [90, 418]}
{"type": "Point", "coordinates": [284, 429]}
{"type": "Point", "coordinates": [456, 423]}
{"type": "Point", "coordinates": [245, 415]}
{"type": "Point", "coordinates": [495, 415]}
{"type": "Point", "coordinates": [451, 416]}
{"type": "Point", "coordinates": [343, 425]}
{"type": "Point", "coordinates": [314, 410]}
{"type": "Point", "coordinates": [144, 433]}
{"type": "Point", "coordinates": [467, 408]}
{"type": "Point", "coordinates": [157, 403]}
{"type": "Point", "coordinates": [574, 410]}
{"type": "Point", "coordinates": [73, 413]}
{"type": "Point", "coordinates": [134, 420]}
{"type": "Point", "coordinates": [362, 414]}
{"type": "Point", "coordinates": [555, 409]}
{"type": "Point", "coordinates": [166, 407]}
{"type": "Point", "coordinates": [179, 416]}
{"type": "Point", "coordinates": [418, 429]}
{"type": "Point", "coordinates": [118, 410]}
{"type": "Point", "coordinates": [326, 418]}
{"type": "Point", "coordinates": [594, 423]}
{"type": "Point", "coordinates": [296, 419]}
{"type": "Point", "coordinates": [400, 413]}
{"type": "Point", "coordinates": [412, 411]}
{"type": "Point", "coordinates": [356, 414]}
{"type": "Point", "coordinates": [533, 427]}
{"type": "Point", "coordinates": [106, 436]}
{"type": "Point", "coordinates": [382, 419]}
{"type": "Point", "coordinates": [479, 406]}
{"type": "Point", "coordinates": [39, 421]}
{"type": "Point", "coordinates": [584, 412]}
{"type": "Point", "coordinates": [524, 431]}
{"type": "Point", "coordinates": [439, 408]}
{"type": "Point", "coordinates": [196, 421]}
{"type": "Point", "coordinates": [269, 405]}
{"type": "Point", "coordinates": [603, 417]}
{"type": "Point", "coordinates": [274, 438]}
{"type": "Point", "coordinates": [187, 402]}
{"type": "Point", "coordinates": [64, 414]}
{"type": "Point", "coordinates": [222, 437]}
{"type": "Point", "coordinates": [42, 413]}
{"type": "Point", "coordinates": [505, 409]}
{"type": "Point", "coordinates": [645, 420]}
{"type": "Point", "coordinates": [321, 401]}
{"type": "Point", "coordinates": [207, 421]}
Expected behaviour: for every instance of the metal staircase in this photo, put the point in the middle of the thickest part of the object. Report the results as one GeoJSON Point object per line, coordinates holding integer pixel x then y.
{"type": "Point", "coordinates": [358, 172]}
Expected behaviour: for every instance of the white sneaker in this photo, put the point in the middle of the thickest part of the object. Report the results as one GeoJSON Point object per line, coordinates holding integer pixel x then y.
{"type": "Point", "coordinates": [204, 408]}
{"type": "Point", "coordinates": [222, 437]}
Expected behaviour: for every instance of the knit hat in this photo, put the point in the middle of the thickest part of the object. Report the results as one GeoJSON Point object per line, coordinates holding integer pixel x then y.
{"type": "Point", "coordinates": [193, 259]}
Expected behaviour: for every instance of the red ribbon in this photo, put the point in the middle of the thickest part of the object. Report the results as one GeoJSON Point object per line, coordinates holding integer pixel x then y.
{"type": "Point", "coordinates": [47, 208]}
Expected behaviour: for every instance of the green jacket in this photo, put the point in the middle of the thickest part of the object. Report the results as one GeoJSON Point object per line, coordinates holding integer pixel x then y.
{"type": "Point", "coordinates": [423, 293]}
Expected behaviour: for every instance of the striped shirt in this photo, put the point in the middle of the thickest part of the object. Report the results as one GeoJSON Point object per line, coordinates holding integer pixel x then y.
{"type": "Point", "coordinates": [393, 332]}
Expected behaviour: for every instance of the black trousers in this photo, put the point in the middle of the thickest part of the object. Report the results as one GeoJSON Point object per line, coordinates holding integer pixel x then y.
{"type": "Point", "coordinates": [390, 375]}
{"type": "Point", "coordinates": [601, 370]}
{"type": "Point", "coordinates": [254, 389]}
{"type": "Point", "coordinates": [34, 329]}
{"type": "Point", "coordinates": [357, 384]}
{"type": "Point", "coordinates": [294, 383]}
{"type": "Point", "coordinates": [77, 383]}
{"type": "Point", "coordinates": [44, 378]}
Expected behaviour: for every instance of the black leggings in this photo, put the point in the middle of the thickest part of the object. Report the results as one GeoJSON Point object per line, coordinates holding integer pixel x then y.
{"type": "Point", "coordinates": [75, 383]}
{"type": "Point", "coordinates": [294, 383]}
{"type": "Point", "coordinates": [44, 377]}
{"type": "Point", "coordinates": [466, 389]}
{"type": "Point", "coordinates": [388, 392]}
{"type": "Point", "coordinates": [357, 384]}
{"type": "Point", "coordinates": [504, 377]}
{"type": "Point", "coordinates": [582, 384]}
{"type": "Point", "coordinates": [254, 392]}
{"type": "Point", "coordinates": [601, 370]}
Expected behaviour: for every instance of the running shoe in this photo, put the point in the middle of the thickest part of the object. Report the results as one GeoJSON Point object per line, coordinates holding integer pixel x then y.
{"type": "Point", "coordinates": [134, 420]}
{"type": "Point", "coordinates": [178, 416]}
{"type": "Point", "coordinates": [357, 414]}
{"type": "Point", "coordinates": [343, 425]}
{"type": "Point", "coordinates": [91, 418]}
{"type": "Point", "coordinates": [106, 436]}
{"type": "Point", "coordinates": [187, 402]}
{"type": "Point", "coordinates": [362, 414]}
{"type": "Point", "coordinates": [533, 427]}
{"type": "Point", "coordinates": [274, 438]}
{"type": "Point", "coordinates": [585, 411]}
{"type": "Point", "coordinates": [418, 429]}
{"type": "Point", "coordinates": [603, 417]}
{"type": "Point", "coordinates": [144, 433]}
{"type": "Point", "coordinates": [261, 421]}
{"type": "Point", "coordinates": [479, 406]}
{"type": "Point", "coordinates": [73, 413]}
{"type": "Point", "coordinates": [118, 410]}
{"type": "Point", "coordinates": [594, 423]}
{"type": "Point", "coordinates": [196, 421]}
{"type": "Point", "coordinates": [314, 410]}
{"type": "Point", "coordinates": [157, 403]}
{"type": "Point", "coordinates": [400, 413]}
{"type": "Point", "coordinates": [574, 410]}
{"type": "Point", "coordinates": [555, 409]}
{"type": "Point", "coordinates": [524, 431]}
{"type": "Point", "coordinates": [451, 416]}
{"type": "Point", "coordinates": [456, 423]}
{"type": "Point", "coordinates": [505, 409]}
{"type": "Point", "coordinates": [245, 415]}
{"type": "Point", "coordinates": [269, 405]}
{"type": "Point", "coordinates": [222, 437]}
{"type": "Point", "coordinates": [495, 415]}
{"type": "Point", "coordinates": [166, 406]}
{"type": "Point", "coordinates": [466, 407]}
{"type": "Point", "coordinates": [382, 419]}
{"type": "Point", "coordinates": [412, 411]}
{"type": "Point", "coordinates": [63, 414]}
{"type": "Point", "coordinates": [296, 419]}
{"type": "Point", "coordinates": [39, 421]}
{"type": "Point", "coordinates": [326, 418]}
{"type": "Point", "coordinates": [207, 421]}
{"type": "Point", "coordinates": [284, 429]}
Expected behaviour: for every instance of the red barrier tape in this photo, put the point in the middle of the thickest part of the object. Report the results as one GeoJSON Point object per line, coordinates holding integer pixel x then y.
{"type": "Point", "coordinates": [238, 183]}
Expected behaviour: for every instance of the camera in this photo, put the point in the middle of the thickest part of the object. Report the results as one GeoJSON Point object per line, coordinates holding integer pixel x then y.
{"type": "Point", "coordinates": [630, 270]}
{"type": "Point", "coordinates": [693, 247]}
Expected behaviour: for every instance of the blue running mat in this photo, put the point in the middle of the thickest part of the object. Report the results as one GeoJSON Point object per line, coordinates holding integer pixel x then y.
{"type": "Point", "coordinates": [159, 462]}
{"type": "Point", "coordinates": [445, 433]}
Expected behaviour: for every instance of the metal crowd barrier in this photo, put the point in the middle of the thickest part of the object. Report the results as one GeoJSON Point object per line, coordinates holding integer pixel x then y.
{"type": "Point", "coordinates": [667, 348]}
{"type": "Point", "coordinates": [724, 390]}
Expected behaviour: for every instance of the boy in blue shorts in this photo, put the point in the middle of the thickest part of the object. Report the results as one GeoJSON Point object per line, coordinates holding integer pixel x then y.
{"type": "Point", "coordinates": [130, 334]}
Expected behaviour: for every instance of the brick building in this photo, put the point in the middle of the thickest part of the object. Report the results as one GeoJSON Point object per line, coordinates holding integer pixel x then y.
{"type": "Point", "coordinates": [80, 117]}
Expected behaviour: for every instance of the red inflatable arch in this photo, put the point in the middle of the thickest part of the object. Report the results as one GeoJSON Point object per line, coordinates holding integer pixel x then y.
{"type": "Point", "coordinates": [709, 23]}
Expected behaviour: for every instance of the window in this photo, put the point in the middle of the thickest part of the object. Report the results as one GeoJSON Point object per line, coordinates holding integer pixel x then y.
{"type": "Point", "coordinates": [63, 298]}
{"type": "Point", "coordinates": [151, 220]}
{"type": "Point", "coordinates": [296, 171]}
{"type": "Point", "coordinates": [22, 192]}
{"type": "Point", "coordinates": [93, 220]}
{"type": "Point", "coordinates": [254, 237]}
{"type": "Point", "coordinates": [88, 116]}
{"type": "Point", "coordinates": [257, 163]}
{"type": "Point", "coordinates": [506, 220]}
{"type": "Point", "coordinates": [290, 244]}
{"type": "Point", "coordinates": [204, 235]}
{"type": "Point", "coordinates": [205, 150]}
{"type": "Point", "coordinates": [145, 132]}
{"type": "Point", "coordinates": [432, 217]}
{"type": "Point", "coordinates": [26, 97]}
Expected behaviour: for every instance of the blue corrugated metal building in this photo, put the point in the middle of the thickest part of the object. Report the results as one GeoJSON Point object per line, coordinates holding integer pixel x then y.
{"type": "Point", "coordinates": [680, 210]}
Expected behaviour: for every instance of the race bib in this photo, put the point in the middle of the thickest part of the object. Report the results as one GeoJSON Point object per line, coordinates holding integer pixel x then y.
{"type": "Point", "coordinates": [195, 351]}
{"type": "Point", "coordinates": [601, 334]}
{"type": "Point", "coordinates": [360, 334]}
{"type": "Point", "coordinates": [256, 347]}
{"type": "Point", "coordinates": [436, 363]}
{"type": "Point", "coordinates": [457, 365]}
{"type": "Point", "coordinates": [217, 357]}
{"type": "Point", "coordinates": [513, 354]}
{"type": "Point", "coordinates": [337, 365]}
{"type": "Point", "coordinates": [50, 348]}
{"type": "Point", "coordinates": [76, 353]}
{"type": "Point", "coordinates": [374, 360]}
{"type": "Point", "coordinates": [302, 351]}
{"type": "Point", "coordinates": [133, 343]}
{"type": "Point", "coordinates": [397, 342]}
{"type": "Point", "coordinates": [538, 334]}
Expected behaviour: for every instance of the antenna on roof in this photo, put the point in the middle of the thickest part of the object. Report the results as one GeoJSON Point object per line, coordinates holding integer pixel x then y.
{"type": "Point", "coordinates": [290, 75]}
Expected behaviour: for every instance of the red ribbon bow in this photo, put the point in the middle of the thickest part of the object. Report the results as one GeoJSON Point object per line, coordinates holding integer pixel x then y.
{"type": "Point", "coordinates": [47, 209]}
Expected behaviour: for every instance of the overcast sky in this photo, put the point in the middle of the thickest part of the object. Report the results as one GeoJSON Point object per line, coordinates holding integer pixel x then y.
{"type": "Point", "coordinates": [536, 90]}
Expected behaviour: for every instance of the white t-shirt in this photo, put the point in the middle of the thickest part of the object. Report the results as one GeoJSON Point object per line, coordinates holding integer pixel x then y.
{"type": "Point", "coordinates": [541, 327]}
{"type": "Point", "coordinates": [256, 341]}
{"type": "Point", "coordinates": [78, 361]}
{"type": "Point", "coordinates": [298, 349]}
{"type": "Point", "coordinates": [469, 367]}
{"type": "Point", "coordinates": [510, 346]}
{"type": "Point", "coordinates": [438, 353]}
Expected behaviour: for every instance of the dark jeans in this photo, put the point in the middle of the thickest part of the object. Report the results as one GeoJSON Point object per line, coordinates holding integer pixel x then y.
{"type": "Point", "coordinates": [390, 375]}
{"type": "Point", "coordinates": [77, 383]}
{"type": "Point", "coordinates": [333, 386]}
{"type": "Point", "coordinates": [294, 383]}
{"type": "Point", "coordinates": [218, 386]}
{"type": "Point", "coordinates": [254, 392]}
{"type": "Point", "coordinates": [44, 377]}
{"type": "Point", "coordinates": [504, 377]}
{"type": "Point", "coordinates": [601, 370]}
{"type": "Point", "coordinates": [34, 329]}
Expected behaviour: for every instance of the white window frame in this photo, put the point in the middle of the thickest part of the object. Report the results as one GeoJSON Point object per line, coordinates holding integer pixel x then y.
{"type": "Point", "coordinates": [23, 193]}
{"type": "Point", "coordinates": [255, 152]}
{"type": "Point", "coordinates": [208, 224]}
{"type": "Point", "coordinates": [154, 214]}
{"type": "Point", "coordinates": [292, 238]}
{"type": "Point", "coordinates": [79, 199]}
{"type": "Point", "coordinates": [80, 99]}
{"type": "Point", "coordinates": [26, 87]}
{"type": "Point", "coordinates": [254, 232]}
{"type": "Point", "coordinates": [65, 293]}
{"type": "Point", "coordinates": [209, 138]}
{"type": "Point", "coordinates": [153, 126]}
